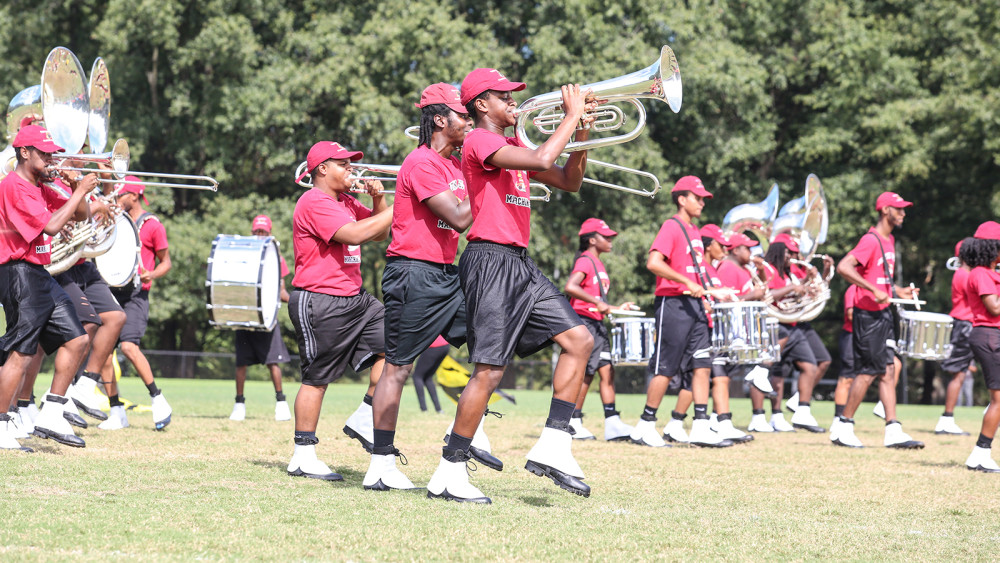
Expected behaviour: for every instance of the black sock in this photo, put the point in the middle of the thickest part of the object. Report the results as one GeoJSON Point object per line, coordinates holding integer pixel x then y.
{"type": "Point", "coordinates": [457, 442]}
{"type": "Point", "coordinates": [367, 400]}
{"type": "Point", "coordinates": [701, 412]}
{"type": "Point", "coordinates": [893, 421]}
{"type": "Point", "coordinates": [984, 442]}
{"type": "Point", "coordinates": [949, 414]}
{"type": "Point", "coordinates": [725, 416]}
{"type": "Point", "coordinates": [758, 411]}
{"type": "Point", "coordinates": [649, 413]}
{"type": "Point", "coordinates": [803, 403]}
{"type": "Point", "coordinates": [577, 413]}
{"type": "Point", "coordinates": [838, 410]}
{"type": "Point", "coordinates": [383, 438]}
{"type": "Point", "coordinates": [114, 401]}
{"type": "Point", "coordinates": [241, 399]}
{"type": "Point", "coordinates": [847, 420]}
{"type": "Point", "coordinates": [153, 390]}
{"type": "Point", "coordinates": [561, 411]}
{"type": "Point", "coordinates": [305, 438]}
{"type": "Point", "coordinates": [91, 375]}
{"type": "Point", "coordinates": [21, 403]}
{"type": "Point", "coordinates": [609, 410]}
{"type": "Point", "coordinates": [279, 396]}
{"type": "Point", "coordinates": [678, 415]}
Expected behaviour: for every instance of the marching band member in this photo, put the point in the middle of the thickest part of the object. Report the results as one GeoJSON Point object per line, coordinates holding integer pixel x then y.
{"type": "Point", "coordinates": [676, 258]}
{"type": "Point", "coordinates": [511, 306]}
{"type": "Point", "coordinates": [37, 310]}
{"type": "Point", "coordinates": [870, 266]}
{"type": "Point", "coordinates": [420, 285]}
{"type": "Point", "coordinates": [262, 347]}
{"type": "Point", "coordinates": [983, 290]}
{"type": "Point", "coordinates": [154, 263]}
{"type": "Point", "coordinates": [337, 323]}
{"type": "Point", "coordinates": [822, 356]}
{"type": "Point", "coordinates": [961, 356]}
{"type": "Point", "coordinates": [587, 288]}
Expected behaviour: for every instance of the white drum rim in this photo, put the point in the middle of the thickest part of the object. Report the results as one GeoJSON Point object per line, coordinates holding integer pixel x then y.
{"type": "Point", "coordinates": [924, 316]}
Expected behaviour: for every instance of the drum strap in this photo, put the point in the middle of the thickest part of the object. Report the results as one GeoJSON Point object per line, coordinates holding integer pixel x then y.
{"type": "Point", "coordinates": [142, 219]}
{"type": "Point", "coordinates": [885, 264]}
{"type": "Point", "coordinates": [702, 277]}
{"type": "Point", "coordinates": [600, 285]}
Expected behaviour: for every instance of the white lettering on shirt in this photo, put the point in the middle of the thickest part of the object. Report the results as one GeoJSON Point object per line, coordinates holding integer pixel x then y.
{"type": "Point", "coordinates": [512, 199]}
{"type": "Point", "coordinates": [443, 225]}
{"type": "Point", "coordinates": [42, 249]}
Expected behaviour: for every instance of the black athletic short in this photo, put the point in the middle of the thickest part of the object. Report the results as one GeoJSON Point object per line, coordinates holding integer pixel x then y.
{"type": "Point", "coordinates": [961, 352]}
{"type": "Point", "coordinates": [334, 332]}
{"type": "Point", "coordinates": [511, 306]}
{"type": "Point", "coordinates": [600, 356]}
{"type": "Point", "coordinates": [797, 348]}
{"type": "Point", "coordinates": [815, 343]}
{"type": "Point", "coordinates": [136, 307]}
{"type": "Point", "coordinates": [422, 300]}
{"type": "Point", "coordinates": [91, 295]}
{"type": "Point", "coordinates": [732, 371]}
{"type": "Point", "coordinates": [871, 330]}
{"type": "Point", "coordinates": [37, 310]}
{"type": "Point", "coordinates": [846, 355]}
{"type": "Point", "coordinates": [985, 344]}
{"type": "Point", "coordinates": [681, 333]}
{"type": "Point", "coordinates": [260, 347]}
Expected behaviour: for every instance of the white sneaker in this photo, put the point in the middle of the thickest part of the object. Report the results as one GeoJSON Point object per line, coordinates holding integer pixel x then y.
{"type": "Point", "coordinates": [729, 432]}
{"type": "Point", "coordinates": [759, 423]}
{"type": "Point", "coordinates": [834, 427]}
{"type": "Point", "coordinates": [52, 424]}
{"type": "Point", "coordinates": [946, 425]}
{"type": "Point", "coordinates": [451, 480]}
{"type": "Point", "coordinates": [981, 460]}
{"type": "Point", "coordinates": [779, 423]}
{"type": "Point", "coordinates": [33, 411]}
{"type": "Point", "coordinates": [305, 464]}
{"type": "Point", "coordinates": [114, 421]}
{"type": "Point", "coordinates": [161, 412]}
{"type": "Point", "coordinates": [25, 421]}
{"type": "Point", "coordinates": [361, 426]}
{"type": "Point", "coordinates": [383, 475]}
{"type": "Point", "coordinates": [758, 377]}
{"type": "Point", "coordinates": [702, 435]}
{"type": "Point", "coordinates": [674, 432]}
{"type": "Point", "coordinates": [579, 432]}
{"type": "Point", "coordinates": [552, 457]}
{"type": "Point", "coordinates": [804, 419]}
{"type": "Point", "coordinates": [846, 437]}
{"type": "Point", "coordinates": [15, 424]}
{"type": "Point", "coordinates": [84, 394]}
{"type": "Point", "coordinates": [896, 438]}
{"type": "Point", "coordinates": [615, 430]}
{"type": "Point", "coordinates": [239, 411]}
{"type": "Point", "coordinates": [644, 433]}
{"type": "Point", "coordinates": [879, 410]}
{"type": "Point", "coordinates": [713, 422]}
{"type": "Point", "coordinates": [7, 439]}
{"type": "Point", "coordinates": [793, 402]}
{"type": "Point", "coordinates": [123, 415]}
{"type": "Point", "coordinates": [480, 449]}
{"type": "Point", "coordinates": [282, 412]}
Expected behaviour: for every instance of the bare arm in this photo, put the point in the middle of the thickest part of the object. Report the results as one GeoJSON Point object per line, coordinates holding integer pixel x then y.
{"type": "Point", "coordinates": [992, 303]}
{"type": "Point", "coordinates": [657, 264]}
{"type": "Point", "coordinates": [162, 267]}
{"type": "Point", "coordinates": [847, 270]}
{"type": "Point", "coordinates": [72, 208]}
{"type": "Point", "coordinates": [458, 214]}
{"type": "Point", "coordinates": [575, 290]}
{"type": "Point", "coordinates": [284, 292]}
{"type": "Point", "coordinates": [375, 227]}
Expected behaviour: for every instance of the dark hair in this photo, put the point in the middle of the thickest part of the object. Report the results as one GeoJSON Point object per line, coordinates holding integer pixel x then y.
{"type": "Point", "coordinates": [979, 252]}
{"type": "Point", "coordinates": [775, 256]}
{"type": "Point", "coordinates": [676, 197]}
{"type": "Point", "coordinates": [707, 242]}
{"type": "Point", "coordinates": [471, 106]}
{"type": "Point", "coordinates": [427, 127]}
{"type": "Point", "coordinates": [17, 153]}
{"type": "Point", "coordinates": [585, 241]}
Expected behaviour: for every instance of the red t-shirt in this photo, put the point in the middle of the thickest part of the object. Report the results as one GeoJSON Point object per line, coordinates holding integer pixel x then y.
{"type": "Point", "coordinates": [416, 231]}
{"type": "Point", "coordinates": [439, 341]}
{"type": "Point", "coordinates": [501, 210]}
{"type": "Point", "coordinates": [775, 280]}
{"type": "Point", "coordinates": [153, 237]}
{"type": "Point", "coordinates": [734, 276]}
{"type": "Point", "coordinates": [849, 297]}
{"type": "Point", "coordinates": [594, 276]}
{"type": "Point", "coordinates": [58, 197]}
{"type": "Point", "coordinates": [870, 267]}
{"type": "Point", "coordinates": [323, 265]}
{"type": "Point", "coordinates": [959, 295]}
{"type": "Point", "coordinates": [24, 212]}
{"type": "Point", "coordinates": [284, 266]}
{"type": "Point", "coordinates": [670, 242]}
{"type": "Point", "coordinates": [983, 281]}
{"type": "Point", "coordinates": [799, 272]}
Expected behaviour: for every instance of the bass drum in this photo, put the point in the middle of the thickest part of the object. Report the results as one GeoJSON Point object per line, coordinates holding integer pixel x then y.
{"type": "Point", "coordinates": [120, 264]}
{"type": "Point", "coordinates": [244, 283]}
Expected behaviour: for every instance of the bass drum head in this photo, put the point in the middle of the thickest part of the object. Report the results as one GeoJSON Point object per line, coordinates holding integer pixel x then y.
{"type": "Point", "coordinates": [270, 282]}
{"type": "Point", "coordinates": [121, 262]}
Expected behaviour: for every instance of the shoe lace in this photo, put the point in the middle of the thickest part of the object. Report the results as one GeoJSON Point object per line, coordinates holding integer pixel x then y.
{"type": "Point", "coordinates": [399, 454]}
{"type": "Point", "coordinates": [494, 413]}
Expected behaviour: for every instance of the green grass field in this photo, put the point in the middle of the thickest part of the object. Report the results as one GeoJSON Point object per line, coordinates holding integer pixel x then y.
{"type": "Point", "coordinates": [212, 489]}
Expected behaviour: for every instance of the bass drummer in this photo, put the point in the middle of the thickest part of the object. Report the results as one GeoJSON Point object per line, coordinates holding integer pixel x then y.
{"type": "Point", "coordinates": [262, 347]}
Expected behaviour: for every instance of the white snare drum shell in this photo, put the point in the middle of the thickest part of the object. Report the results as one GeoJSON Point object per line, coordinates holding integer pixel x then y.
{"type": "Point", "coordinates": [924, 335]}
{"type": "Point", "coordinates": [244, 282]}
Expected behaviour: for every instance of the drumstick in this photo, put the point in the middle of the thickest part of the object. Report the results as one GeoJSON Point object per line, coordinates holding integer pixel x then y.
{"type": "Point", "coordinates": [899, 301]}
{"type": "Point", "coordinates": [911, 293]}
{"type": "Point", "coordinates": [621, 312]}
{"type": "Point", "coordinates": [720, 292]}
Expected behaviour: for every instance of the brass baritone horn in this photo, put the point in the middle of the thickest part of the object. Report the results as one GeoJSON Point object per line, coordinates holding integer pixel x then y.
{"type": "Point", "coordinates": [118, 159]}
{"type": "Point", "coordinates": [359, 171]}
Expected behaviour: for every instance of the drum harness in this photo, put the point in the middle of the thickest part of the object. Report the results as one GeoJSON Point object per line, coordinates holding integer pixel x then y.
{"type": "Point", "coordinates": [892, 286]}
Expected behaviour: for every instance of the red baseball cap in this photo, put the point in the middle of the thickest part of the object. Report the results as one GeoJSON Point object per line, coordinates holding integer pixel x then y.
{"type": "Point", "coordinates": [442, 93]}
{"type": "Point", "coordinates": [594, 225]}
{"type": "Point", "coordinates": [691, 184]}
{"type": "Point", "coordinates": [324, 151]}
{"type": "Point", "coordinates": [483, 79]}
{"type": "Point", "coordinates": [788, 241]}
{"type": "Point", "coordinates": [740, 239]}
{"type": "Point", "coordinates": [958, 246]}
{"type": "Point", "coordinates": [38, 137]}
{"type": "Point", "coordinates": [131, 187]}
{"type": "Point", "coordinates": [988, 230]}
{"type": "Point", "coordinates": [261, 222]}
{"type": "Point", "coordinates": [713, 232]}
{"type": "Point", "coordinates": [891, 199]}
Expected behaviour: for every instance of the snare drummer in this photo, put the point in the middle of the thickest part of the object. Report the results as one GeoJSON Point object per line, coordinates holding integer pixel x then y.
{"type": "Point", "coordinates": [982, 254]}
{"type": "Point", "coordinates": [337, 323]}
{"type": "Point", "coordinates": [870, 266]}
{"type": "Point", "coordinates": [587, 288]}
{"type": "Point", "coordinates": [961, 356]}
{"type": "Point", "coordinates": [262, 347]}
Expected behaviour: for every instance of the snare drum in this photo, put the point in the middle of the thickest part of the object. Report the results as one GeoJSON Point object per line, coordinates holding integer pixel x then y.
{"type": "Point", "coordinates": [244, 282]}
{"type": "Point", "coordinates": [773, 348]}
{"type": "Point", "coordinates": [739, 333]}
{"type": "Point", "coordinates": [632, 341]}
{"type": "Point", "coordinates": [121, 261]}
{"type": "Point", "coordinates": [924, 336]}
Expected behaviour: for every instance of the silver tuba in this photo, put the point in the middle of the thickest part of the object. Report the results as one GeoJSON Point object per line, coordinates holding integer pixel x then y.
{"type": "Point", "coordinates": [757, 218]}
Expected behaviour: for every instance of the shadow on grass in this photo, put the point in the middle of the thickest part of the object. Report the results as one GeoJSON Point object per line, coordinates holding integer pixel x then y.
{"type": "Point", "coordinates": [212, 416]}
{"type": "Point", "coordinates": [940, 464]}
{"type": "Point", "coordinates": [269, 464]}
{"type": "Point", "coordinates": [43, 446]}
{"type": "Point", "coordinates": [536, 501]}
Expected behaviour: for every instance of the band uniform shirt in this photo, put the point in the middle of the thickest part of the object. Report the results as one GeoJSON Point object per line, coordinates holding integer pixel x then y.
{"type": "Point", "coordinates": [501, 208]}
{"type": "Point", "coordinates": [323, 265]}
{"type": "Point", "coordinates": [594, 277]}
{"type": "Point", "coordinates": [734, 276]}
{"type": "Point", "coordinates": [871, 268]}
{"type": "Point", "coordinates": [960, 298]}
{"type": "Point", "coordinates": [152, 238]}
{"type": "Point", "coordinates": [416, 231]}
{"type": "Point", "coordinates": [670, 242]}
{"type": "Point", "coordinates": [59, 193]}
{"type": "Point", "coordinates": [982, 281]}
{"type": "Point", "coordinates": [849, 297]}
{"type": "Point", "coordinates": [25, 209]}
{"type": "Point", "coordinates": [438, 342]}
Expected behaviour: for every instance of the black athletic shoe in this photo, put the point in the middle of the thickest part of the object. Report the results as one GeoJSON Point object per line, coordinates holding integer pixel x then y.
{"type": "Point", "coordinates": [75, 419]}
{"type": "Point", "coordinates": [572, 484]}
